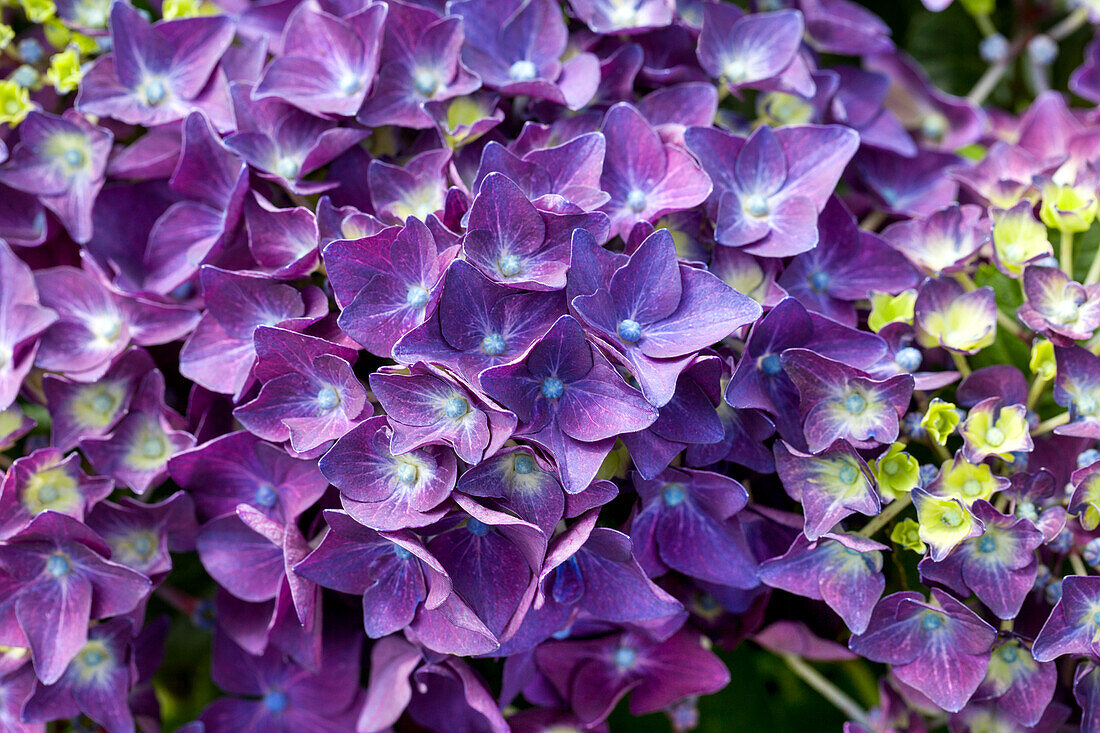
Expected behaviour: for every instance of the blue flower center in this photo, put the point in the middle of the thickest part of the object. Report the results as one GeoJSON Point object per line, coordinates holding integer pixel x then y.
{"type": "Point", "coordinates": [350, 83]}
{"type": "Point", "coordinates": [328, 398]}
{"type": "Point", "coordinates": [630, 330]}
{"type": "Point", "coordinates": [58, 565]}
{"type": "Point", "coordinates": [931, 621]}
{"type": "Point", "coordinates": [509, 265]}
{"type": "Point", "coordinates": [47, 493]}
{"type": "Point", "coordinates": [1008, 653]}
{"type": "Point", "coordinates": [756, 205]}
{"type": "Point", "coordinates": [155, 92]}
{"type": "Point", "coordinates": [951, 517]}
{"type": "Point", "coordinates": [456, 407]}
{"type": "Point", "coordinates": [101, 403]}
{"type": "Point", "coordinates": [855, 403]}
{"type": "Point", "coordinates": [74, 158]}
{"type": "Point", "coordinates": [92, 658]}
{"type": "Point", "coordinates": [152, 448]}
{"type": "Point", "coordinates": [266, 496]}
{"type": "Point", "coordinates": [401, 552]}
{"type": "Point", "coordinates": [275, 701]}
{"type": "Point", "coordinates": [552, 388]}
{"type": "Point", "coordinates": [848, 474]}
{"type": "Point", "coordinates": [524, 464]}
{"type": "Point", "coordinates": [636, 200]}
{"type": "Point", "coordinates": [416, 296]}
{"type": "Point", "coordinates": [426, 82]}
{"type": "Point", "coordinates": [1096, 618]}
{"type": "Point", "coordinates": [406, 473]}
{"type": "Point", "coordinates": [819, 281]}
{"type": "Point", "coordinates": [1085, 404]}
{"type": "Point", "coordinates": [987, 544]}
{"type": "Point", "coordinates": [933, 126]}
{"type": "Point", "coordinates": [625, 657]}
{"type": "Point", "coordinates": [523, 70]}
{"type": "Point", "coordinates": [673, 494]}
{"type": "Point", "coordinates": [476, 527]}
{"type": "Point", "coordinates": [288, 168]}
{"type": "Point", "coordinates": [493, 344]}
{"type": "Point", "coordinates": [770, 365]}
{"type": "Point", "coordinates": [143, 545]}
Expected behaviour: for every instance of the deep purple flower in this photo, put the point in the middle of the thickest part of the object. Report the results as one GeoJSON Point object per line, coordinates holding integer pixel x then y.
{"type": "Point", "coordinates": [830, 486]}
{"type": "Point", "coordinates": [310, 394]}
{"type": "Point", "coordinates": [393, 572]}
{"type": "Point", "coordinates": [1071, 628]}
{"type": "Point", "coordinates": [56, 562]}
{"type": "Point", "coordinates": [759, 380]}
{"type": "Point", "coordinates": [220, 352]}
{"type": "Point", "coordinates": [280, 695]}
{"type": "Point", "coordinates": [96, 682]}
{"type": "Point", "coordinates": [386, 283]}
{"type": "Point", "coordinates": [846, 266]}
{"type": "Point", "coordinates": [569, 400]}
{"type": "Point", "coordinates": [755, 51]}
{"type": "Point", "coordinates": [478, 324]}
{"type": "Point", "coordinates": [23, 319]}
{"type": "Point", "coordinates": [47, 480]}
{"type": "Point", "coordinates": [516, 47]}
{"type": "Point", "coordinates": [843, 570]}
{"type": "Point", "coordinates": [999, 566]}
{"type": "Point", "coordinates": [770, 188]}
{"type": "Point", "coordinates": [942, 648]}
{"type": "Point", "coordinates": [284, 143]}
{"type": "Point", "coordinates": [684, 524]}
{"type": "Point", "coordinates": [839, 402]}
{"type": "Point", "coordinates": [593, 675]}
{"type": "Point", "coordinates": [385, 491]}
{"type": "Point", "coordinates": [657, 313]}
{"type": "Point", "coordinates": [158, 72]}
{"type": "Point", "coordinates": [327, 63]}
{"type": "Point", "coordinates": [239, 468]}
{"type": "Point", "coordinates": [426, 407]}
{"type": "Point", "coordinates": [419, 63]}
{"type": "Point", "coordinates": [569, 169]}
{"type": "Point", "coordinates": [62, 160]}
{"type": "Point", "coordinates": [645, 176]}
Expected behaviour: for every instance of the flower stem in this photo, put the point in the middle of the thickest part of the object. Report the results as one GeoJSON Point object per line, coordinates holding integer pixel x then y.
{"type": "Point", "coordinates": [879, 521]}
{"type": "Point", "coordinates": [1069, 24]}
{"type": "Point", "coordinates": [1036, 391]}
{"type": "Point", "coordinates": [1077, 565]}
{"type": "Point", "coordinates": [828, 690]}
{"type": "Point", "coordinates": [1006, 322]}
{"type": "Point", "coordinates": [1065, 256]}
{"type": "Point", "coordinates": [1047, 425]}
{"type": "Point", "coordinates": [1093, 275]}
{"type": "Point", "coordinates": [872, 221]}
{"type": "Point", "coordinates": [991, 78]}
{"type": "Point", "coordinates": [960, 363]}
{"type": "Point", "coordinates": [985, 25]}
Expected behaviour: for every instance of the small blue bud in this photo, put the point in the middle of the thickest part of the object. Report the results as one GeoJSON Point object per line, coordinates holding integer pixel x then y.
{"type": "Point", "coordinates": [993, 48]}
{"type": "Point", "coordinates": [1091, 553]}
{"type": "Point", "coordinates": [1088, 457]}
{"type": "Point", "coordinates": [30, 50]}
{"type": "Point", "coordinates": [908, 359]}
{"type": "Point", "coordinates": [1053, 593]}
{"type": "Point", "coordinates": [1042, 49]}
{"type": "Point", "coordinates": [927, 474]}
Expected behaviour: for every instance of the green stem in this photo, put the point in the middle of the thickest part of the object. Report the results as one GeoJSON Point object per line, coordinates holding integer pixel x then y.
{"type": "Point", "coordinates": [985, 25]}
{"type": "Point", "coordinates": [1069, 24]}
{"type": "Point", "coordinates": [960, 363]}
{"type": "Point", "coordinates": [1036, 391]}
{"type": "Point", "coordinates": [1065, 256]}
{"type": "Point", "coordinates": [872, 221]}
{"type": "Point", "coordinates": [1093, 274]}
{"type": "Point", "coordinates": [990, 79]}
{"type": "Point", "coordinates": [964, 279]}
{"type": "Point", "coordinates": [879, 521]}
{"type": "Point", "coordinates": [1009, 325]}
{"type": "Point", "coordinates": [1047, 425]}
{"type": "Point", "coordinates": [1077, 565]}
{"type": "Point", "coordinates": [828, 690]}
{"type": "Point", "coordinates": [941, 451]}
